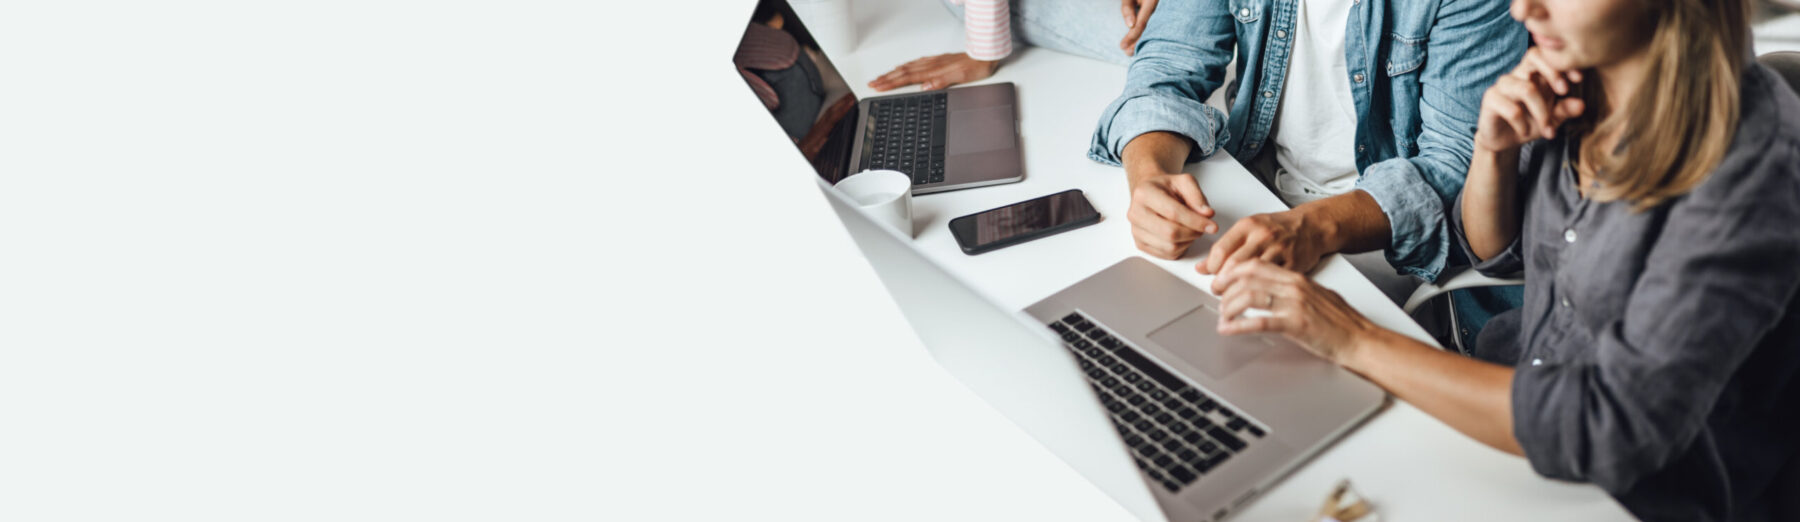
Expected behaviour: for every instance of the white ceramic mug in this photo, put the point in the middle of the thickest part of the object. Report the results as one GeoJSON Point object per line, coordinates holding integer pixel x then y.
{"type": "Point", "coordinates": [830, 22]}
{"type": "Point", "coordinates": [886, 195]}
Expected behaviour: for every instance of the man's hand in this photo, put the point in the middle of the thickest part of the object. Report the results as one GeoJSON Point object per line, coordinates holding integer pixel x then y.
{"type": "Point", "coordinates": [1168, 213]}
{"type": "Point", "coordinates": [936, 72]}
{"type": "Point", "coordinates": [1281, 238]}
{"type": "Point", "coordinates": [1137, 13]}
{"type": "Point", "coordinates": [1297, 239]}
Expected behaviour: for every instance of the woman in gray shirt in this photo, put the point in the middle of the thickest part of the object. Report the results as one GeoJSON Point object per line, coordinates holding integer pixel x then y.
{"type": "Point", "coordinates": [1643, 174]}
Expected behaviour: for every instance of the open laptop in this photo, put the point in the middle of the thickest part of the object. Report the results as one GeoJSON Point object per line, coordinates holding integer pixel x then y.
{"type": "Point", "coordinates": [952, 139]}
{"type": "Point", "coordinates": [1123, 376]}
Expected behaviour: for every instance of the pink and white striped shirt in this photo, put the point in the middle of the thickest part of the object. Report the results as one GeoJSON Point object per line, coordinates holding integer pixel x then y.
{"type": "Point", "coordinates": [987, 28]}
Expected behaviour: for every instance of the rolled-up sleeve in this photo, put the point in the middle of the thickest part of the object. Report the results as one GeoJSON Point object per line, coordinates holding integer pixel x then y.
{"type": "Point", "coordinates": [1470, 45]}
{"type": "Point", "coordinates": [1716, 282]}
{"type": "Point", "coordinates": [1179, 61]}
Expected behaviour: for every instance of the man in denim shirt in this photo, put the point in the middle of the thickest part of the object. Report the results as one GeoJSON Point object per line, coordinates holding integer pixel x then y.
{"type": "Point", "coordinates": [1414, 72]}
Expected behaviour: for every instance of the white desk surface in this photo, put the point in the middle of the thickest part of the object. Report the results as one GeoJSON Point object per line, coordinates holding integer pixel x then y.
{"type": "Point", "coordinates": [1412, 466]}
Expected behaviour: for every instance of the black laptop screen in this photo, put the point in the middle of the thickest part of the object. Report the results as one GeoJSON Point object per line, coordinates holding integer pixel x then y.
{"type": "Point", "coordinates": [782, 64]}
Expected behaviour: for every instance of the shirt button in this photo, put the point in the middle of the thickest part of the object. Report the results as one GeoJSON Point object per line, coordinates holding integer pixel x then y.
{"type": "Point", "coordinates": [1281, 34]}
{"type": "Point", "coordinates": [1569, 235]}
{"type": "Point", "coordinates": [1268, 94]}
{"type": "Point", "coordinates": [1253, 145]}
{"type": "Point", "coordinates": [1242, 12]}
{"type": "Point", "coordinates": [1537, 362]}
{"type": "Point", "coordinates": [1565, 302]}
{"type": "Point", "coordinates": [1358, 77]}
{"type": "Point", "coordinates": [1360, 148]}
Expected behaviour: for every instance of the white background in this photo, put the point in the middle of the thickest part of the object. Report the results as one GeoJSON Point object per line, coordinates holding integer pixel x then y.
{"type": "Point", "coordinates": [379, 260]}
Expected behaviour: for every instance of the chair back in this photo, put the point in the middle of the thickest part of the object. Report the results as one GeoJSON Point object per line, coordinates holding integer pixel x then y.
{"type": "Point", "coordinates": [1785, 63]}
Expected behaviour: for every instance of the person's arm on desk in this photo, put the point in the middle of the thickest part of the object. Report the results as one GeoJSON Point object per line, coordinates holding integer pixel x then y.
{"type": "Point", "coordinates": [1472, 44]}
{"type": "Point", "coordinates": [1473, 396]}
{"type": "Point", "coordinates": [1168, 212]}
{"type": "Point", "coordinates": [1300, 237]}
{"type": "Point", "coordinates": [1161, 122]}
{"type": "Point", "coordinates": [987, 39]}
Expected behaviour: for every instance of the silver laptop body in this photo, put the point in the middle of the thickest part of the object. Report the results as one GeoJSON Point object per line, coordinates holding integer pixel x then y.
{"type": "Point", "coordinates": [1031, 374]}
{"type": "Point", "coordinates": [981, 144]}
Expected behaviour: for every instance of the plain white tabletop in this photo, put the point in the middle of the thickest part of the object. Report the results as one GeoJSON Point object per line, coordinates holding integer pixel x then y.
{"type": "Point", "coordinates": [1413, 466]}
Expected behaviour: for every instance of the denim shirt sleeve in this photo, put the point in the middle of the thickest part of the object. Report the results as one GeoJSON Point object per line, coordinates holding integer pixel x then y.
{"type": "Point", "coordinates": [1471, 44]}
{"type": "Point", "coordinates": [1179, 61]}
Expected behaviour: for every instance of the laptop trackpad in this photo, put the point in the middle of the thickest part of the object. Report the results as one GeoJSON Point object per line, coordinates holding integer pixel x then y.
{"type": "Point", "coordinates": [979, 130]}
{"type": "Point", "coordinates": [1195, 338]}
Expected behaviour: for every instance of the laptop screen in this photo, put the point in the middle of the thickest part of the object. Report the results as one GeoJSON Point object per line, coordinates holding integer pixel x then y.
{"type": "Point", "coordinates": [793, 79]}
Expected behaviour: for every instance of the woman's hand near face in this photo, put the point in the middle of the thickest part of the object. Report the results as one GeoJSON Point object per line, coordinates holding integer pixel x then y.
{"type": "Point", "coordinates": [1527, 104]}
{"type": "Point", "coordinates": [1298, 308]}
{"type": "Point", "coordinates": [1524, 105]}
{"type": "Point", "coordinates": [936, 72]}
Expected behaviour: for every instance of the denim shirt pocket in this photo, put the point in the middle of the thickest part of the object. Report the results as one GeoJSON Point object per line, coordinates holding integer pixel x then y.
{"type": "Point", "coordinates": [1405, 60]}
{"type": "Point", "coordinates": [1405, 55]}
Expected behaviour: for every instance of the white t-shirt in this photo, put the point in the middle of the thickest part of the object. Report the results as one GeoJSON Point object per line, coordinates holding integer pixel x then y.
{"type": "Point", "coordinates": [1316, 135]}
{"type": "Point", "coordinates": [1316, 124]}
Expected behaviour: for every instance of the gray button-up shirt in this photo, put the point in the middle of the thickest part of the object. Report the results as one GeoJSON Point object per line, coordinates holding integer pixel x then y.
{"type": "Point", "coordinates": [1659, 351]}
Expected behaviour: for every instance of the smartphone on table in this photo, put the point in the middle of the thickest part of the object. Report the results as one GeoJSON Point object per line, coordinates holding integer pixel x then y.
{"type": "Point", "coordinates": [1010, 225]}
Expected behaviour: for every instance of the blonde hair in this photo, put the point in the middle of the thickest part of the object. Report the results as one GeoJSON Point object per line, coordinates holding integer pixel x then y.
{"type": "Point", "coordinates": [1682, 118]}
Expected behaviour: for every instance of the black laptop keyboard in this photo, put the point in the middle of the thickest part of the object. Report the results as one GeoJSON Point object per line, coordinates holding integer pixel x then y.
{"type": "Point", "coordinates": [1176, 432]}
{"type": "Point", "coordinates": [907, 134]}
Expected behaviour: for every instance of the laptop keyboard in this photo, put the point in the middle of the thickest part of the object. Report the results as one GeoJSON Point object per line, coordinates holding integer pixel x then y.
{"type": "Point", "coordinates": [907, 134]}
{"type": "Point", "coordinates": [1176, 432]}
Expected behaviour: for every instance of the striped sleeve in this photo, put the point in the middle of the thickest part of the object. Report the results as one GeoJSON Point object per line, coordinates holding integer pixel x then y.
{"type": "Point", "coordinates": [987, 28]}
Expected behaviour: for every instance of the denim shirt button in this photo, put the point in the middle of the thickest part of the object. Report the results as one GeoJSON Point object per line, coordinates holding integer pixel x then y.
{"type": "Point", "coordinates": [1242, 12]}
{"type": "Point", "coordinates": [1251, 146]}
{"type": "Point", "coordinates": [1360, 148]}
{"type": "Point", "coordinates": [1358, 78]}
{"type": "Point", "coordinates": [1280, 34]}
{"type": "Point", "coordinates": [1268, 94]}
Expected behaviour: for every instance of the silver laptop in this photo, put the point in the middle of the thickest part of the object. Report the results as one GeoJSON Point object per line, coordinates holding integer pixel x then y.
{"type": "Point", "coordinates": [953, 139]}
{"type": "Point", "coordinates": [1124, 376]}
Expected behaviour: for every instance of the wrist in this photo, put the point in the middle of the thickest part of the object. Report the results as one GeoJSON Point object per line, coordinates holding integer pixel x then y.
{"type": "Point", "coordinates": [1365, 345]}
{"type": "Point", "coordinates": [1320, 227]}
{"type": "Point", "coordinates": [1138, 169]}
{"type": "Point", "coordinates": [1496, 154]}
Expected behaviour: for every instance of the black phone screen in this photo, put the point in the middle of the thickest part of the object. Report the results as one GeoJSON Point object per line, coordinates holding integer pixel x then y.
{"type": "Point", "coordinates": [1028, 218]}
